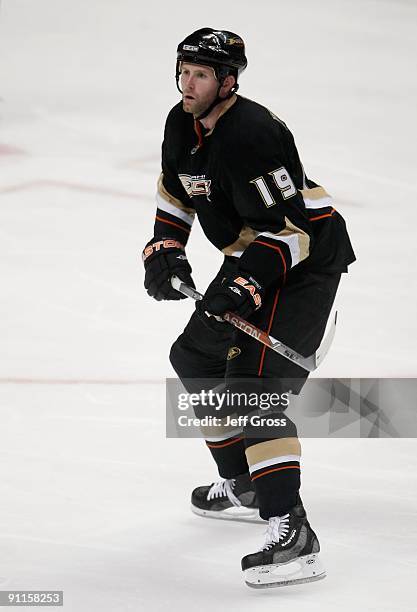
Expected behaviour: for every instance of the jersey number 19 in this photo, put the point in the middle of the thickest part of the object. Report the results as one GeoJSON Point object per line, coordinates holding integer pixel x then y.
{"type": "Point", "coordinates": [282, 180]}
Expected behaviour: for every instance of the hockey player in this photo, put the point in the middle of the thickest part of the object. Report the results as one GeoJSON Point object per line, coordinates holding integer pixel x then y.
{"type": "Point", "coordinates": [233, 164]}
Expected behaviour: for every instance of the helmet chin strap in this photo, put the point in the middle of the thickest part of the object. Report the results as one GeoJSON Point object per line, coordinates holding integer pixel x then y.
{"type": "Point", "coordinates": [217, 100]}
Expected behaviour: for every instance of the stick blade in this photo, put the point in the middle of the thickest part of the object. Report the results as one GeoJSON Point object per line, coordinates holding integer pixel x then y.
{"type": "Point", "coordinates": [325, 345]}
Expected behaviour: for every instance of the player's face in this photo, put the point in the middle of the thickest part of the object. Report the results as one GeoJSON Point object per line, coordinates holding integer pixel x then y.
{"type": "Point", "coordinates": [199, 87]}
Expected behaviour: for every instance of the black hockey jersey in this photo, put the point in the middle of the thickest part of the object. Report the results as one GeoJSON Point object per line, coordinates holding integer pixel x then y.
{"type": "Point", "coordinates": [245, 181]}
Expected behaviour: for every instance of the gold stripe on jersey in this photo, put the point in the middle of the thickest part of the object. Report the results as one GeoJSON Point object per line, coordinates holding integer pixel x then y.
{"type": "Point", "coordinates": [297, 240]}
{"type": "Point", "coordinates": [171, 199]}
{"type": "Point", "coordinates": [317, 197]}
{"type": "Point", "coordinates": [271, 449]}
{"type": "Point", "coordinates": [246, 236]}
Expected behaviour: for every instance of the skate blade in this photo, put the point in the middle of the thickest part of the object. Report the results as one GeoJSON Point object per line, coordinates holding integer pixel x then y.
{"type": "Point", "coordinates": [298, 571]}
{"type": "Point", "coordinates": [248, 515]}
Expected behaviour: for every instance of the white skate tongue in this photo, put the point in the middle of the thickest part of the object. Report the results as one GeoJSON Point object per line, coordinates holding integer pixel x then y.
{"type": "Point", "coordinates": [224, 488]}
{"type": "Point", "coordinates": [278, 528]}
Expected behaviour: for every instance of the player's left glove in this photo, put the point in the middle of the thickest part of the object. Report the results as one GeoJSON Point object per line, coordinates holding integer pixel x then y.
{"type": "Point", "coordinates": [163, 259]}
{"type": "Point", "coordinates": [238, 294]}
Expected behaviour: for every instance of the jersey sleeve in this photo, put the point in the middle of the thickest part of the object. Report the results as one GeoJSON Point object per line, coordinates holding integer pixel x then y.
{"type": "Point", "coordinates": [175, 213]}
{"type": "Point", "coordinates": [265, 177]}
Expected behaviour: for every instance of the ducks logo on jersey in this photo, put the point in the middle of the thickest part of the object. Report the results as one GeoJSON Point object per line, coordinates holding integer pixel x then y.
{"type": "Point", "coordinates": [195, 185]}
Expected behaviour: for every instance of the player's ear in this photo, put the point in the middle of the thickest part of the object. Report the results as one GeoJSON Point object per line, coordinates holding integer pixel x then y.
{"type": "Point", "coordinates": [228, 83]}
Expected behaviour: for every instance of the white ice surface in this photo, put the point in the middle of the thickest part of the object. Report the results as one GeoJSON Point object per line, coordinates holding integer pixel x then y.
{"type": "Point", "coordinates": [93, 498]}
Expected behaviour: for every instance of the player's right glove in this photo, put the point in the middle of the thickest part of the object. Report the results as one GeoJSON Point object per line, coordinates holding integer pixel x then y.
{"type": "Point", "coordinates": [162, 259]}
{"type": "Point", "coordinates": [237, 294]}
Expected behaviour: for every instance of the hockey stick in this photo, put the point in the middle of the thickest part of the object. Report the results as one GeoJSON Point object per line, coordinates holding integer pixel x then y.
{"type": "Point", "coordinates": [308, 363]}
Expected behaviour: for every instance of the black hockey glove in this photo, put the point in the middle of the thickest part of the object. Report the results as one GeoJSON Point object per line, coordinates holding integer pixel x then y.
{"type": "Point", "coordinates": [162, 259]}
{"type": "Point", "coordinates": [236, 293]}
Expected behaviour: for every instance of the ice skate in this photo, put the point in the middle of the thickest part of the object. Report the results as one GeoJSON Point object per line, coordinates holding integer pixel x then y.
{"type": "Point", "coordinates": [290, 554]}
{"type": "Point", "coordinates": [231, 499]}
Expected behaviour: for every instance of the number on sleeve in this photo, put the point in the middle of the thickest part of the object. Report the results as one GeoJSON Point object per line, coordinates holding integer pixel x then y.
{"type": "Point", "coordinates": [284, 183]}
{"type": "Point", "coordinates": [282, 180]}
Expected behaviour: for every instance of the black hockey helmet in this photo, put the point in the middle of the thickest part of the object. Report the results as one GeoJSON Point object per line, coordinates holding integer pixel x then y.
{"type": "Point", "coordinates": [224, 51]}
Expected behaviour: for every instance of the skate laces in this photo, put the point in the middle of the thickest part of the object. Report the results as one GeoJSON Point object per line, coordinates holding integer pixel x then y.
{"type": "Point", "coordinates": [224, 488]}
{"type": "Point", "coordinates": [278, 528]}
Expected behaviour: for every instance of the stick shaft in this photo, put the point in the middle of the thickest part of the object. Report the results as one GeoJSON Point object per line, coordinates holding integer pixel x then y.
{"type": "Point", "coordinates": [307, 363]}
